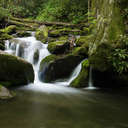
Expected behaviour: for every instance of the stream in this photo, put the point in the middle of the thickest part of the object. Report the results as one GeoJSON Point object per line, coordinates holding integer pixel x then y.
{"type": "Point", "coordinates": [54, 105]}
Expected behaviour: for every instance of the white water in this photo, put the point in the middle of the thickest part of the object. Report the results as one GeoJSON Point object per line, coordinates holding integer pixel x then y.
{"type": "Point", "coordinates": [28, 46]}
{"type": "Point", "coordinates": [90, 82]}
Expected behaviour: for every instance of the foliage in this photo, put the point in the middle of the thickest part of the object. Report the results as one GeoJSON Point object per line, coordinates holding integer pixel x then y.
{"type": "Point", "coordinates": [119, 56]}
{"type": "Point", "coordinates": [3, 13]}
{"type": "Point", "coordinates": [51, 10]}
{"type": "Point", "coordinates": [59, 10]}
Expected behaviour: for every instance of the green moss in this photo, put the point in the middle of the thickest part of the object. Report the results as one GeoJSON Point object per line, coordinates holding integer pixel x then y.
{"type": "Point", "coordinates": [49, 58]}
{"type": "Point", "coordinates": [99, 60]}
{"type": "Point", "coordinates": [4, 36]}
{"type": "Point", "coordinates": [42, 34]}
{"type": "Point", "coordinates": [80, 41]}
{"type": "Point", "coordinates": [10, 29]}
{"type": "Point", "coordinates": [58, 47]}
{"type": "Point", "coordinates": [82, 78]}
{"type": "Point", "coordinates": [14, 70]}
{"type": "Point", "coordinates": [64, 31]}
{"type": "Point", "coordinates": [63, 38]}
{"type": "Point", "coordinates": [58, 67]}
{"type": "Point", "coordinates": [82, 51]}
{"type": "Point", "coordinates": [23, 34]}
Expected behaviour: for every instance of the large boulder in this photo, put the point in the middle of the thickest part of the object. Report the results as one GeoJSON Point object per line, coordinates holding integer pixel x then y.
{"type": "Point", "coordinates": [15, 70]}
{"type": "Point", "coordinates": [58, 67]}
{"type": "Point", "coordinates": [5, 93]}
{"type": "Point", "coordinates": [58, 47]}
{"type": "Point", "coordinates": [42, 34]}
{"type": "Point", "coordinates": [82, 79]}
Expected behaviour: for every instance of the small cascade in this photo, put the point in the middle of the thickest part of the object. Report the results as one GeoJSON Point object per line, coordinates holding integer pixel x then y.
{"type": "Point", "coordinates": [90, 82]}
{"type": "Point", "coordinates": [72, 76]}
{"type": "Point", "coordinates": [28, 48]}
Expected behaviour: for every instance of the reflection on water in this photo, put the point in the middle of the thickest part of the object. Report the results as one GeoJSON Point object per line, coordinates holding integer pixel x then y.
{"type": "Point", "coordinates": [82, 109]}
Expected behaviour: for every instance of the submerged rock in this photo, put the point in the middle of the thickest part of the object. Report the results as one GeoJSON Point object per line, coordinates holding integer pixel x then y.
{"type": "Point", "coordinates": [83, 77]}
{"type": "Point", "coordinates": [36, 56]}
{"type": "Point", "coordinates": [5, 93]}
{"type": "Point", "coordinates": [14, 70]}
{"type": "Point", "coordinates": [58, 47]}
{"type": "Point", "coordinates": [58, 67]}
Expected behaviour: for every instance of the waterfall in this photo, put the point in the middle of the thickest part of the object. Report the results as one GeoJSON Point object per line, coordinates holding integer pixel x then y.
{"type": "Point", "coordinates": [27, 48]}
{"type": "Point", "coordinates": [90, 82]}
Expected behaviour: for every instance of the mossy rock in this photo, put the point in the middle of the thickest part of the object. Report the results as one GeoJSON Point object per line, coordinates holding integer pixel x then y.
{"type": "Point", "coordinates": [42, 34]}
{"type": "Point", "coordinates": [58, 47]}
{"type": "Point", "coordinates": [23, 34]}
{"type": "Point", "coordinates": [54, 67]}
{"type": "Point", "coordinates": [14, 70]}
{"type": "Point", "coordinates": [82, 78]}
{"type": "Point", "coordinates": [4, 36]}
{"type": "Point", "coordinates": [82, 51]}
{"type": "Point", "coordinates": [10, 29]}
{"type": "Point", "coordinates": [81, 40]}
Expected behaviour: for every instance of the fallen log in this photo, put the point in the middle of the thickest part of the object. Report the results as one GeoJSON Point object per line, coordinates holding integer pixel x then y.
{"type": "Point", "coordinates": [43, 23]}
{"type": "Point", "coordinates": [22, 24]}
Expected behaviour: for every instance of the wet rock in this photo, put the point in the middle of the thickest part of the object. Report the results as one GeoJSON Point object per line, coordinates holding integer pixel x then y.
{"type": "Point", "coordinates": [15, 70]}
{"type": "Point", "coordinates": [5, 93]}
{"type": "Point", "coordinates": [36, 56]}
{"type": "Point", "coordinates": [83, 77]}
{"type": "Point", "coordinates": [58, 67]}
{"type": "Point", "coordinates": [58, 47]}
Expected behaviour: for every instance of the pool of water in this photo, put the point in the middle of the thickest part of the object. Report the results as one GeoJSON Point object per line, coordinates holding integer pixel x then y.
{"type": "Point", "coordinates": [69, 109]}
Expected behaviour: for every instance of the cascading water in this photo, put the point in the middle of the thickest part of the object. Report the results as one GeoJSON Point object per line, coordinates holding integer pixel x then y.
{"type": "Point", "coordinates": [29, 47]}
{"type": "Point", "coordinates": [90, 82]}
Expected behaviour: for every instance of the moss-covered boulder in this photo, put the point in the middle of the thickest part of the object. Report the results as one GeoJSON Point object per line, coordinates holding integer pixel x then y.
{"type": "Point", "coordinates": [82, 78]}
{"type": "Point", "coordinates": [58, 47]}
{"type": "Point", "coordinates": [58, 67]}
{"type": "Point", "coordinates": [81, 51]}
{"type": "Point", "coordinates": [14, 70]}
{"type": "Point", "coordinates": [42, 34]}
{"type": "Point", "coordinates": [5, 93]}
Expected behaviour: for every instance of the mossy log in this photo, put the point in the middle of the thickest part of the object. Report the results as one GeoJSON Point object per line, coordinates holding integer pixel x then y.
{"type": "Point", "coordinates": [42, 23]}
